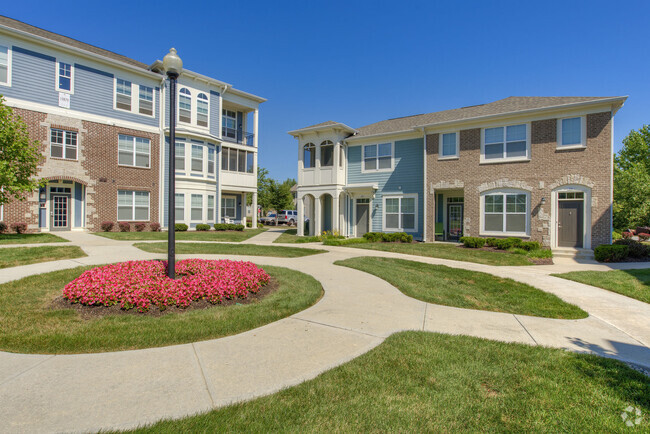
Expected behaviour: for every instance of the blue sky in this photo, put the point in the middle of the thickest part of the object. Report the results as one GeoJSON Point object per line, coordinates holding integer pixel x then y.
{"type": "Point", "coordinates": [361, 62]}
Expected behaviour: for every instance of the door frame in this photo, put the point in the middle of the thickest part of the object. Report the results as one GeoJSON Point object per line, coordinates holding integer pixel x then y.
{"type": "Point", "coordinates": [68, 209]}
{"type": "Point", "coordinates": [462, 218]}
{"type": "Point", "coordinates": [586, 214]}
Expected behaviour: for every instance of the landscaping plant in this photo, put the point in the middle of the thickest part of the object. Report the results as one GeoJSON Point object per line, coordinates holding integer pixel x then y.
{"type": "Point", "coordinates": [139, 227]}
{"type": "Point", "coordinates": [19, 228]}
{"type": "Point", "coordinates": [124, 226]}
{"type": "Point", "coordinates": [202, 227]}
{"type": "Point", "coordinates": [155, 227]}
{"type": "Point", "coordinates": [107, 226]}
{"type": "Point", "coordinates": [180, 227]}
{"type": "Point", "coordinates": [3, 227]}
{"type": "Point", "coordinates": [611, 252]}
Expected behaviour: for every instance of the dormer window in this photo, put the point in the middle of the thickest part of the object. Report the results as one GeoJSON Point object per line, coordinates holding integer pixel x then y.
{"type": "Point", "coordinates": [309, 156]}
{"type": "Point", "coordinates": [326, 154]}
{"type": "Point", "coordinates": [185, 106]}
{"type": "Point", "coordinates": [202, 110]}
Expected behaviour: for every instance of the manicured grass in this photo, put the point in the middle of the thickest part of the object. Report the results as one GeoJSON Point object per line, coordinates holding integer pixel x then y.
{"type": "Point", "coordinates": [226, 236]}
{"type": "Point", "coordinates": [30, 324]}
{"type": "Point", "coordinates": [448, 251]}
{"type": "Point", "coordinates": [289, 236]}
{"type": "Point", "coordinates": [30, 239]}
{"type": "Point", "coordinates": [462, 288]}
{"type": "Point", "coordinates": [633, 283]}
{"type": "Point", "coordinates": [14, 256]}
{"type": "Point", "coordinates": [230, 249]}
{"type": "Point", "coordinates": [425, 382]}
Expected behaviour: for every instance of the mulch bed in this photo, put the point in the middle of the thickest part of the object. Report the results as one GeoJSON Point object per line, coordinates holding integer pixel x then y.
{"type": "Point", "coordinates": [536, 261]}
{"type": "Point", "coordinates": [96, 312]}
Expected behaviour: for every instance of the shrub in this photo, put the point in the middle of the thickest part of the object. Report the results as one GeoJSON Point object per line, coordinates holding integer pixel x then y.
{"type": "Point", "coordinates": [139, 227]}
{"type": "Point", "coordinates": [616, 235]}
{"type": "Point", "coordinates": [394, 237]}
{"type": "Point", "coordinates": [473, 242]}
{"type": "Point", "coordinates": [635, 248]}
{"type": "Point", "coordinates": [611, 252]}
{"type": "Point", "coordinates": [155, 227]}
{"type": "Point", "coordinates": [491, 242]}
{"type": "Point", "coordinates": [19, 228]}
{"type": "Point", "coordinates": [518, 251]}
{"type": "Point", "coordinates": [643, 236]}
{"type": "Point", "coordinates": [343, 242]}
{"type": "Point", "coordinates": [3, 227]}
{"type": "Point", "coordinates": [228, 227]}
{"type": "Point", "coordinates": [626, 234]}
{"type": "Point", "coordinates": [180, 227]}
{"type": "Point", "coordinates": [540, 253]}
{"type": "Point", "coordinates": [373, 237]}
{"type": "Point", "coordinates": [107, 226]}
{"type": "Point", "coordinates": [202, 227]}
{"type": "Point", "coordinates": [124, 226]}
{"type": "Point", "coordinates": [529, 246]}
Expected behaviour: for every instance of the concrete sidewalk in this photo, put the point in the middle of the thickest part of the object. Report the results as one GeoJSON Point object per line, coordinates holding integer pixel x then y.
{"type": "Point", "coordinates": [89, 392]}
{"type": "Point", "coordinates": [266, 237]}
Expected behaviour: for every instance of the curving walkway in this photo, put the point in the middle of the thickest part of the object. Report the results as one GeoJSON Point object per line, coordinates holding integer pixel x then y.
{"type": "Point", "coordinates": [89, 392]}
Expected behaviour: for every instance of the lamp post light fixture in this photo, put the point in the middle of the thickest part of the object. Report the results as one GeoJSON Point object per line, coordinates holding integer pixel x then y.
{"type": "Point", "coordinates": [173, 66]}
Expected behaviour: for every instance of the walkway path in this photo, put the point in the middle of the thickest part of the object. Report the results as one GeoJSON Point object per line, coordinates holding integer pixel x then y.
{"type": "Point", "coordinates": [88, 392]}
{"type": "Point", "coordinates": [266, 237]}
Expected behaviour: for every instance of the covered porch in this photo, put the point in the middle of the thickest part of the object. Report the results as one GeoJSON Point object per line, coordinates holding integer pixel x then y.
{"type": "Point", "coordinates": [232, 207]}
{"type": "Point", "coordinates": [449, 214]}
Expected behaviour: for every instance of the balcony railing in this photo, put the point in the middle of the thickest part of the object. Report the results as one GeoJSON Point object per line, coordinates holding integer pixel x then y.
{"type": "Point", "coordinates": [237, 136]}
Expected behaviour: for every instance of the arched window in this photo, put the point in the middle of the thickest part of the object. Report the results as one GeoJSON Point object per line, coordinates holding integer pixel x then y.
{"type": "Point", "coordinates": [185, 106]}
{"type": "Point", "coordinates": [309, 156]}
{"type": "Point", "coordinates": [326, 153]}
{"type": "Point", "coordinates": [202, 110]}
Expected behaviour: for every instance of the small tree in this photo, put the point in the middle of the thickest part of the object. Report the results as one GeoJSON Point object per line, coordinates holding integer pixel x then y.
{"type": "Point", "coordinates": [19, 158]}
{"type": "Point", "coordinates": [632, 180]}
{"type": "Point", "coordinates": [280, 197]}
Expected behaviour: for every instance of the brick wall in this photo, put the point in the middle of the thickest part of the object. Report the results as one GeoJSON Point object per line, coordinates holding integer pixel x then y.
{"type": "Point", "coordinates": [96, 168]}
{"type": "Point", "coordinates": [547, 169]}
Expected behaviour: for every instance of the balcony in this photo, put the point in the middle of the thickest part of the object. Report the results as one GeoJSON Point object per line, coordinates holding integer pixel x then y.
{"type": "Point", "coordinates": [237, 136]}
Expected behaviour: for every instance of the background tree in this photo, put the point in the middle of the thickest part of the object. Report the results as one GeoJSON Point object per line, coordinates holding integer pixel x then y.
{"type": "Point", "coordinates": [280, 197]}
{"type": "Point", "coordinates": [19, 158]}
{"type": "Point", "coordinates": [263, 189]}
{"type": "Point", "coordinates": [632, 181]}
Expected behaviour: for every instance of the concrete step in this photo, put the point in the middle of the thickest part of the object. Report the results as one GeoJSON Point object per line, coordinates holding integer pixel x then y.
{"type": "Point", "coordinates": [573, 253]}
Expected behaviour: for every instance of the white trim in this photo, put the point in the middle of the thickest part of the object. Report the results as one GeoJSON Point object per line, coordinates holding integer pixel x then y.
{"type": "Point", "coordinates": [64, 145]}
{"type": "Point", "coordinates": [153, 100]}
{"type": "Point", "coordinates": [57, 67]}
{"type": "Point", "coordinates": [207, 101]}
{"type": "Point", "coordinates": [378, 170]}
{"type": "Point", "coordinates": [504, 192]}
{"type": "Point", "coordinates": [505, 159]}
{"type": "Point", "coordinates": [583, 134]}
{"type": "Point", "coordinates": [453, 156]}
{"type": "Point", "coordinates": [134, 151]}
{"type": "Point", "coordinates": [9, 63]}
{"type": "Point", "coordinates": [586, 225]}
{"type": "Point", "coordinates": [400, 197]}
{"type": "Point", "coordinates": [117, 213]}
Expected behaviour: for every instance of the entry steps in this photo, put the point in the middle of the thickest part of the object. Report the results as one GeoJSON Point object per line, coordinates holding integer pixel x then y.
{"type": "Point", "coordinates": [566, 252]}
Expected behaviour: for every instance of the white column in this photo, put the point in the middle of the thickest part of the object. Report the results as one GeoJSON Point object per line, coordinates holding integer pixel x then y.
{"type": "Point", "coordinates": [301, 216]}
{"type": "Point", "coordinates": [243, 209]}
{"type": "Point", "coordinates": [254, 206]}
{"type": "Point", "coordinates": [335, 212]}
{"type": "Point", "coordinates": [317, 216]}
{"type": "Point", "coordinates": [256, 115]}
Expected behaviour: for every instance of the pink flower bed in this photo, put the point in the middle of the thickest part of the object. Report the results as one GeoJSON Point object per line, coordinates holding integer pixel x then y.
{"type": "Point", "coordinates": [143, 284]}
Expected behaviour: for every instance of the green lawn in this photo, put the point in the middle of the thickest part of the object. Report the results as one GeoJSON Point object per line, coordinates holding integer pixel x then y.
{"type": "Point", "coordinates": [226, 236]}
{"type": "Point", "coordinates": [230, 249]}
{"type": "Point", "coordinates": [14, 256]}
{"type": "Point", "coordinates": [425, 382]}
{"type": "Point", "coordinates": [455, 287]}
{"type": "Point", "coordinates": [633, 283]}
{"type": "Point", "coordinates": [30, 239]}
{"type": "Point", "coordinates": [448, 251]}
{"type": "Point", "coordinates": [30, 324]}
{"type": "Point", "coordinates": [289, 236]}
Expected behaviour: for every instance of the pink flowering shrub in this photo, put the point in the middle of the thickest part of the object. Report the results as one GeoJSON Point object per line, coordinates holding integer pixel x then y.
{"type": "Point", "coordinates": [143, 284]}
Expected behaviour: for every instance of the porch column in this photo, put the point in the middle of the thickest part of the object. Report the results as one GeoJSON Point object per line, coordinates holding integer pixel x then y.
{"type": "Point", "coordinates": [335, 212]}
{"type": "Point", "coordinates": [317, 216]}
{"type": "Point", "coordinates": [300, 223]}
{"type": "Point", "coordinates": [243, 209]}
{"type": "Point", "coordinates": [218, 204]}
{"type": "Point", "coordinates": [256, 115]}
{"type": "Point", "coordinates": [254, 206]}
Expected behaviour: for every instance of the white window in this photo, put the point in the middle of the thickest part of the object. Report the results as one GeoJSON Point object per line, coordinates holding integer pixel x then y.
{"type": "Point", "coordinates": [196, 212]}
{"type": "Point", "coordinates": [133, 151]}
{"type": "Point", "coordinates": [5, 65]}
{"type": "Point", "coordinates": [185, 106]}
{"type": "Point", "coordinates": [211, 160]}
{"type": "Point", "coordinates": [228, 207]}
{"type": "Point", "coordinates": [505, 143]}
{"type": "Point", "coordinates": [63, 144]}
{"type": "Point", "coordinates": [210, 208]}
{"type": "Point", "coordinates": [326, 154]}
{"type": "Point", "coordinates": [123, 94]}
{"type": "Point", "coordinates": [145, 100]}
{"type": "Point", "coordinates": [64, 77]}
{"type": "Point", "coordinates": [229, 120]}
{"type": "Point", "coordinates": [132, 205]}
{"type": "Point", "coordinates": [237, 160]}
{"type": "Point", "coordinates": [309, 156]}
{"type": "Point", "coordinates": [202, 110]}
{"type": "Point", "coordinates": [179, 152]}
{"type": "Point", "coordinates": [400, 213]}
{"type": "Point", "coordinates": [197, 158]}
{"type": "Point", "coordinates": [505, 212]}
{"type": "Point", "coordinates": [179, 207]}
{"type": "Point", "coordinates": [448, 145]}
{"type": "Point", "coordinates": [571, 132]}
{"type": "Point", "coordinates": [377, 157]}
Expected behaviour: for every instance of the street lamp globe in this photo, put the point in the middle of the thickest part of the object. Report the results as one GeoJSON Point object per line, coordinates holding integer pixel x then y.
{"type": "Point", "coordinates": [172, 63]}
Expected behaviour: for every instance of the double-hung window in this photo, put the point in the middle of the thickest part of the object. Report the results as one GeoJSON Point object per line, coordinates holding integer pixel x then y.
{"type": "Point", "coordinates": [63, 144]}
{"type": "Point", "coordinates": [197, 158]}
{"type": "Point", "coordinates": [196, 212]}
{"type": "Point", "coordinates": [448, 145]}
{"type": "Point", "coordinates": [123, 94]}
{"type": "Point", "coordinates": [211, 162]}
{"type": "Point", "coordinates": [4, 65]}
{"type": "Point", "coordinates": [202, 110]}
{"type": "Point", "coordinates": [179, 152]}
{"type": "Point", "coordinates": [210, 208]}
{"type": "Point", "coordinates": [185, 106]}
{"type": "Point", "coordinates": [228, 207]}
{"type": "Point", "coordinates": [326, 154]}
{"type": "Point", "coordinates": [132, 205]}
{"type": "Point", "coordinates": [377, 157]}
{"type": "Point", "coordinates": [505, 212]}
{"type": "Point", "coordinates": [179, 207]}
{"type": "Point", "coordinates": [400, 214]}
{"type": "Point", "coordinates": [64, 82]}
{"type": "Point", "coordinates": [571, 132]}
{"type": "Point", "coordinates": [145, 100]}
{"type": "Point", "coordinates": [505, 143]}
{"type": "Point", "coordinates": [309, 156]}
{"type": "Point", "coordinates": [133, 151]}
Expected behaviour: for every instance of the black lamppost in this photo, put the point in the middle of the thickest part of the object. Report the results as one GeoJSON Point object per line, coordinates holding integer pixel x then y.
{"type": "Point", "coordinates": [173, 66]}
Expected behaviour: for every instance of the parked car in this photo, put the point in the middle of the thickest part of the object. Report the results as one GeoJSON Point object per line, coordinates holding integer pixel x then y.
{"type": "Point", "coordinates": [269, 219]}
{"type": "Point", "coordinates": [288, 217]}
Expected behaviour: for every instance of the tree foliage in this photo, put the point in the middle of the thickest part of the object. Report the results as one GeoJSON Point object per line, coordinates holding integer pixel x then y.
{"type": "Point", "coordinates": [272, 194]}
{"type": "Point", "coordinates": [632, 181]}
{"type": "Point", "coordinates": [19, 158]}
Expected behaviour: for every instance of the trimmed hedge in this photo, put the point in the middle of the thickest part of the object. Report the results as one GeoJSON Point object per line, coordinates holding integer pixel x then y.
{"type": "Point", "coordinates": [124, 226]}
{"type": "Point", "coordinates": [635, 248]}
{"type": "Point", "coordinates": [228, 227]}
{"type": "Point", "coordinates": [180, 227]}
{"type": "Point", "coordinates": [396, 237]}
{"type": "Point", "coordinates": [155, 227]}
{"type": "Point", "coordinates": [473, 242]}
{"type": "Point", "coordinates": [202, 227]}
{"type": "Point", "coordinates": [139, 227]}
{"type": "Point", "coordinates": [107, 226]}
{"type": "Point", "coordinates": [611, 252]}
{"type": "Point", "coordinates": [529, 246]}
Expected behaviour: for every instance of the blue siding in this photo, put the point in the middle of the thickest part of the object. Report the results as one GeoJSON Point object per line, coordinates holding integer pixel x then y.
{"type": "Point", "coordinates": [78, 203]}
{"type": "Point", "coordinates": [33, 78]}
{"type": "Point", "coordinates": [215, 113]}
{"type": "Point", "coordinates": [407, 177]}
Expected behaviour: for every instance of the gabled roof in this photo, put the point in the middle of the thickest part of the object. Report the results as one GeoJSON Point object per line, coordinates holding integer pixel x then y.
{"type": "Point", "coordinates": [323, 126]}
{"type": "Point", "coordinates": [55, 37]}
{"type": "Point", "coordinates": [504, 106]}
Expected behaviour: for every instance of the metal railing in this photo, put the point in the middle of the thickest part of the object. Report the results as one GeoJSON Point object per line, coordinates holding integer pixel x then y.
{"type": "Point", "coordinates": [237, 136]}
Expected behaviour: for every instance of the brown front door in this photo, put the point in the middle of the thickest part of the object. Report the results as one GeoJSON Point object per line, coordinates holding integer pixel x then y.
{"type": "Point", "coordinates": [570, 223]}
